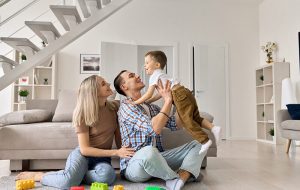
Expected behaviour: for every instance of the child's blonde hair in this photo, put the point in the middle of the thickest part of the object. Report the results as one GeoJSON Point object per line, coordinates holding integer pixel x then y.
{"type": "Point", "coordinates": [87, 108]}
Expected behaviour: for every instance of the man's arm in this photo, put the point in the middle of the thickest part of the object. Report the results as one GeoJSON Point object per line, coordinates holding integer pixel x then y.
{"type": "Point", "coordinates": [160, 120]}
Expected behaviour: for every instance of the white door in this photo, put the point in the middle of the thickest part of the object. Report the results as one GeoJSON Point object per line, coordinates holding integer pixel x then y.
{"type": "Point", "coordinates": [210, 82]}
{"type": "Point", "coordinates": [116, 57]}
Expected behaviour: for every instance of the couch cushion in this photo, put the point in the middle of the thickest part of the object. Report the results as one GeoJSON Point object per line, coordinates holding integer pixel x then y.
{"type": "Point", "coordinates": [294, 111]}
{"type": "Point", "coordinates": [38, 136]}
{"type": "Point", "coordinates": [65, 106]}
{"type": "Point", "coordinates": [291, 125]}
{"type": "Point", "coordinates": [25, 116]}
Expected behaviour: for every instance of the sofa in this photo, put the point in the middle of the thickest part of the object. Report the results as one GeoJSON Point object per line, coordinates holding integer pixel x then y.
{"type": "Point", "coordinates": [45, 145]}
{"type": "Point", "coordinates": [289, 129]}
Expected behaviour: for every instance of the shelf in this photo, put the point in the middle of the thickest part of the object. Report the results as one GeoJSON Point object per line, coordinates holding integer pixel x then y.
{"type": "Point", "coordinates": [42, 85]}
{"type": "Point", "coordinates": [269, 84]}
{"type": "Point", "coordinates": [268, 96]}
{"type": "Point", "coordinates": [42, 67]}
{"type": "Point", "coordinates": [265, 141]}
{"type": "Point", "coordinates": [21, 85]}
{"type": "Point", "coordinates": [261, 122]}
{"type": "Point", "coordinates": [38, 89]}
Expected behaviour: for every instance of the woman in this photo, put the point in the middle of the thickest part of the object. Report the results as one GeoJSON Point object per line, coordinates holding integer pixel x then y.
{"type": "Point", "coordinates": [95, 122]}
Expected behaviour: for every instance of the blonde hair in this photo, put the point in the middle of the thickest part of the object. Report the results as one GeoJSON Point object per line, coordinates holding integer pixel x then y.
{"type": "Point", "coordinates": [87, 108]}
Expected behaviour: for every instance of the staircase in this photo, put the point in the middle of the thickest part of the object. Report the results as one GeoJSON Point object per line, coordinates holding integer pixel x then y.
{"type": "Point", "coordinates": [94, 12]}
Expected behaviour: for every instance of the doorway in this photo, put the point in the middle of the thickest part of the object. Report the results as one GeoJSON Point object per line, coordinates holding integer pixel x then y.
{"type": "Point", "coordinates": [210, 82]}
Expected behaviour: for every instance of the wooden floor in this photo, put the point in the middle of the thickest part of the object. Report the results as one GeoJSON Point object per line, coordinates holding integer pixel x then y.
{"type": "Point", "coordinates": [243, 165]}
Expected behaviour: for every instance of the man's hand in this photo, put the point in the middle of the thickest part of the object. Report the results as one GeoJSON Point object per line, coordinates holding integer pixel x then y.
{"type": "Point", "coordinates": [165, 91]}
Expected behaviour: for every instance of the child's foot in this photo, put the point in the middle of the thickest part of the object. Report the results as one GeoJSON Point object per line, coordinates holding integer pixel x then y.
{"type": "Point", "coordinates": [174, 184]}
{"type": "Point", "coordinates": [205, 146]}
{"type": "Point", "coordinates": [36, 176]}
{"type": "Point", "coordinates": [216, 130]}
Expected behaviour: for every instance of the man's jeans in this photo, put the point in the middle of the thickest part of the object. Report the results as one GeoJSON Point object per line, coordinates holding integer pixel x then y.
{"type": "Point", "coordinates": [148, 162]}
{"type": "Point", "coordinates": [81, 169]}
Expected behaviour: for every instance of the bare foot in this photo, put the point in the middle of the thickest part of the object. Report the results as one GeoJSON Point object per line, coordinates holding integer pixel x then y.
{"type": "Point", "coordinates": [36, 176]}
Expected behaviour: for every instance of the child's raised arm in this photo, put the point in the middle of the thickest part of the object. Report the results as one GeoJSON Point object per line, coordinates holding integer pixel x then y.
{"type": "Point", "coordinates": [146, 96]}
{"type": "Point", "coordinates": [154, 98]}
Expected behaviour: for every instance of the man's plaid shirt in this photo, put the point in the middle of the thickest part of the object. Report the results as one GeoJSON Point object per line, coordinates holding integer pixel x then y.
{"type": "Point", "coordinates": [136, 127]}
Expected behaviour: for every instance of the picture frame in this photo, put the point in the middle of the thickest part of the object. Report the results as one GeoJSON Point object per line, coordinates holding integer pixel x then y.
{"type": "Point", "coordinates": [90, 63]}
{"type": "Point", "coordinates": [24, 80]}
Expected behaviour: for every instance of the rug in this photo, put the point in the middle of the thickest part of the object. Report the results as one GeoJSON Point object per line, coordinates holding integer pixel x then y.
{"type": "Point", "coordinates": [8, 183]}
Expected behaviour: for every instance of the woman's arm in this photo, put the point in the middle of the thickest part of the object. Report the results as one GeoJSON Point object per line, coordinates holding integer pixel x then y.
{"type": "Point", "coordinates": [118, 138]}
{"type": "Point", "coordinates": [87, 150]}
{"type": "Point", "coordinates": [146, 96]}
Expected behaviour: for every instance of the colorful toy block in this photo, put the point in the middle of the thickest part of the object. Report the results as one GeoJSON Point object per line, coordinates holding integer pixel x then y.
{"type": "Point", "coordinates": [99, 186]}
{"type": "Point", "coordinates": [154, 188]}
{"type": "Point", "coordinates": [118, 187]}
{"type": "Point", "coordinates": [77, 188]}
{"type": "Point", "coordinates": [25, 184]}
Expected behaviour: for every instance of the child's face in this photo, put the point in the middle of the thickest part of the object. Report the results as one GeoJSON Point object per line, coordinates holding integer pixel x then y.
{"type": "Point", "coordinates": [150, 65]}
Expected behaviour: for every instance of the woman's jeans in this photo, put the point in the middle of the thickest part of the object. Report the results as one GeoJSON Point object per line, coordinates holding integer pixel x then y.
{"type": "Point", "coordinates": [148, 162]}
{"type": "Point", "coordinates": [80, 169]}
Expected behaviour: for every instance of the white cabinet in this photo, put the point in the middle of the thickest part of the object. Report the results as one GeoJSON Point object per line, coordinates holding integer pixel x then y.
{"type": "Point", "coordinates": [268, 99]}
{"type": "Point", "coordinates": [41, 83]}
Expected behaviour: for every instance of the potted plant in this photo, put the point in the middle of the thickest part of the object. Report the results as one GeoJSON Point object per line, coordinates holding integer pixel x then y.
{"type": "Point", "coordinates": [271, 132]}
{"type": "Point", "coordinates": [23, 95]}
{"type": "Point", "coordinates": [269, 48]}
{"type": "Point", "coordinates": [23, 57]}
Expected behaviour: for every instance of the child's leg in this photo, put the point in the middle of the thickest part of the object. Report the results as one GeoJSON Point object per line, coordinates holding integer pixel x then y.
{"type": "Point", "coordinates": [185, 106]}
{"type": "Point", "coordinates": [216, 130]}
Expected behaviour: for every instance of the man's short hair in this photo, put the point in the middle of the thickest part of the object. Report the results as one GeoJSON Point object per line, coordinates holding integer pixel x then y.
{"type": "Point", "coordinates": [118, 82]}
{"type": "Point", "coordinates": [159, 57]}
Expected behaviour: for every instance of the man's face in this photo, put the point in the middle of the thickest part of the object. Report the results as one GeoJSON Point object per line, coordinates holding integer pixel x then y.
{"type": "Point", "coordinates": [131, 82]}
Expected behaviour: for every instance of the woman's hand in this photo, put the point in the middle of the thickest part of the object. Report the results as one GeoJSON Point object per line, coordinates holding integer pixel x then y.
{"type": "Point", "coordinates": [125, 152]}
{"type": "Point", "coordinates": [165, 91]}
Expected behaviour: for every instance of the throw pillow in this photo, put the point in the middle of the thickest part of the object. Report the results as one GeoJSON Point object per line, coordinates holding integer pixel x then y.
{"type": "Point", "coordinates": [25, 116]}
{"type": "Point", "coordinates": [294, 111]}
{"type": "Point", "coordinates": [65, 106]}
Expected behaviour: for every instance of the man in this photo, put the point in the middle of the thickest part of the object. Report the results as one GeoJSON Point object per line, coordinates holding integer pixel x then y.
{"type": "Point", "coordinates": [140, 127]}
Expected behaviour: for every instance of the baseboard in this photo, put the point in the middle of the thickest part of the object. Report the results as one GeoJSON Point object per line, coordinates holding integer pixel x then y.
{"type": "Point", "coordinates": [242, 138]}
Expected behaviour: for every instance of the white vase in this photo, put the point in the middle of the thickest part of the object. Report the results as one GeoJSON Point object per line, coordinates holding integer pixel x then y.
{"type": "Point", "coordinates": [23, 99]}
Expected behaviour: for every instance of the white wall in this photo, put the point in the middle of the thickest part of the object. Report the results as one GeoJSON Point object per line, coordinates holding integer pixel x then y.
{"type": "Point", "coordinates": [279, 22]}
{"type": "Point", "coordinates": [156, 22]}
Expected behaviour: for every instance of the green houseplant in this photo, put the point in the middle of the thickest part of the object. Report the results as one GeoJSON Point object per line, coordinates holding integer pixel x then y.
{"type": "Point", "coordinates": [272, 132]}
{"type": "Point", "coordinates": [23, 57]}
{"type": "Point", "coordinates": [23, 95]}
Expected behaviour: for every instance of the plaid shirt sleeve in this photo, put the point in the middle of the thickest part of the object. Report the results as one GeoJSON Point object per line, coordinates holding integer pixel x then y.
{"type": "Point", "coordinates": [171, 123]}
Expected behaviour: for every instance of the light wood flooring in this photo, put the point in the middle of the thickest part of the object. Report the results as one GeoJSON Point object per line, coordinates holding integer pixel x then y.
{"type": "Point", "coordinates": [244, 165]}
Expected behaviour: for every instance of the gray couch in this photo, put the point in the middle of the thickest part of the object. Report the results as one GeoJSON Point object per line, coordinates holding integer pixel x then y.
{"type": "Point", "coordinates": [289, 129]}
{"type": "Point", "coordinates": [46, 145]}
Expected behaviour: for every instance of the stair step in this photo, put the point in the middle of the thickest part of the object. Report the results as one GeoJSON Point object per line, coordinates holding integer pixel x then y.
{"type": "Point", "coordinates": [105, 2]}
{"type": "Point", "coordinates": [84, 7]}
{"type": "Point", "coordinates": [21, 44]}
{"type": "Point", "coordinates": [63, 11]}
{"type": "Point", "coordinates": [7, 64]}
{"type": "Point", "coordinates": [69, 37]}
{"type": "Point", "coordinates": [7, 60]}
{"type": "Point", "coordinates": [45, 30]}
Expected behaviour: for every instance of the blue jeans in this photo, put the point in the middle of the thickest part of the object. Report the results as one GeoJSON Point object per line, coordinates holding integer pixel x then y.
{"type": "Point", "coordinates": [81, 169]}
{"type": "Point", "coordinates": [148, 162]}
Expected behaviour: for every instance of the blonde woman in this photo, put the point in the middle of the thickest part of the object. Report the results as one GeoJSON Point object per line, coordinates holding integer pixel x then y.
{"type": "Point", "coordinates": [95, 122]}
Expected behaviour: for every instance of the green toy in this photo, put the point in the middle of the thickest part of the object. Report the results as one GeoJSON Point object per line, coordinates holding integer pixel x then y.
{"type": "Point", "coordinates": [154, 188]}
{"type": "Point", "coordinates": [99, 186]}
